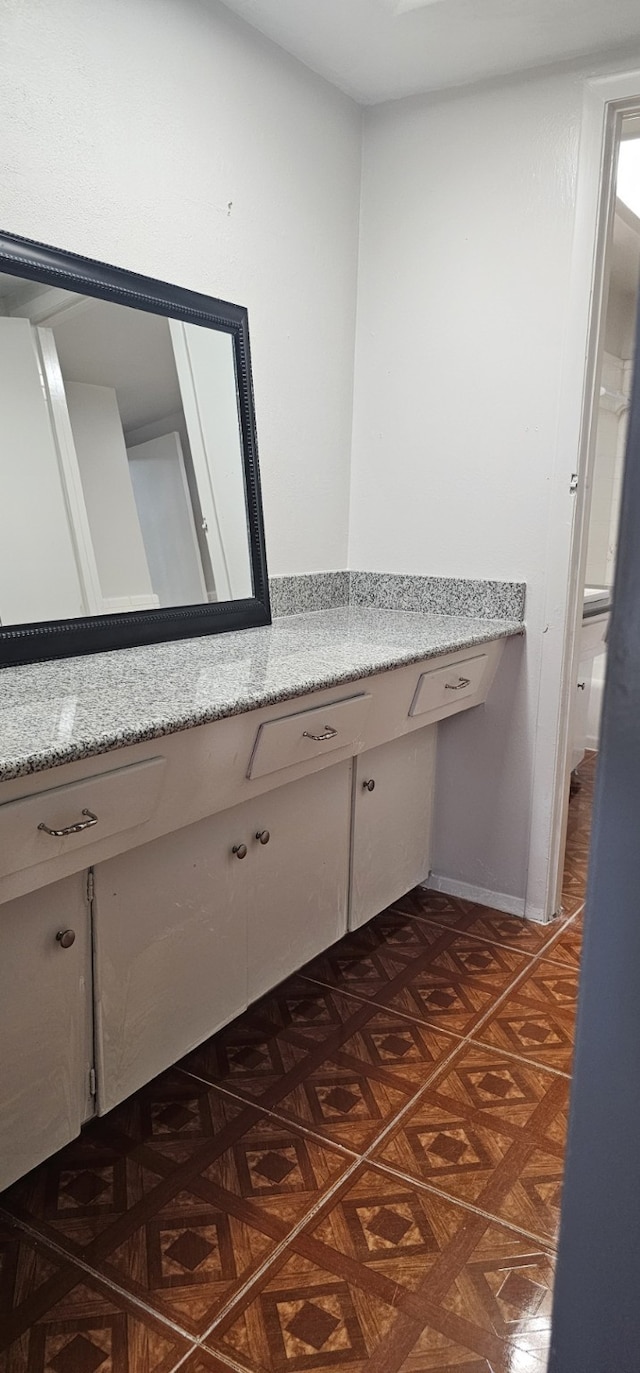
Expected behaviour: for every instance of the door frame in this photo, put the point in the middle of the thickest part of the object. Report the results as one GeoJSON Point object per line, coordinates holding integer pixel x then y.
{"type": "Point", "coordinates": [606, 100]}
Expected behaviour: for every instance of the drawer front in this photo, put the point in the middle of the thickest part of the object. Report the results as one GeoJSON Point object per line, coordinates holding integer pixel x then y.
{"type": "Point", "coordinates": [116, 801]}
{"type": "Point", "coordinates": [447, 686]}
{"type": "Point", "coordinates": [308, 733]}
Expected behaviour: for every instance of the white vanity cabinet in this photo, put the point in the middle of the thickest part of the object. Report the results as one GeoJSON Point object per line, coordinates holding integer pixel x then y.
{"type": "Point", "coordinates": [392, 807]}
{"type": "Point", "coordinates": [45, 1023]}
{"type": "Point", "coordinates": [170, 937]}
{"type": "Point", "coordinates": [221, 859]}
{"type": "Point", "coordinates": [299, 879]}
{"type": "Point", "coordinates": [192, 927]}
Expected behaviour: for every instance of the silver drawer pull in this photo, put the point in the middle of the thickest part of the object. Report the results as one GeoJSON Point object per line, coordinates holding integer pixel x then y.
{"type": "Point", "coordinates": [79, 826]}
{"type": "Point", "coordinates": [329, 733]}
{"type": "Point", "coordinates": [462, 682]}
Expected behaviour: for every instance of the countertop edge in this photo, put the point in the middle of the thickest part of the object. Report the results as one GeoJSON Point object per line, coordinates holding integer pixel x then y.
{"type": "Point", "coordinates": [97, 745]}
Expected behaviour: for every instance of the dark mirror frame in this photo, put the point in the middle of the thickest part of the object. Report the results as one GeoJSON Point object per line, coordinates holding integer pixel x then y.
{"type": "Point", "coordinates": [27, 643]}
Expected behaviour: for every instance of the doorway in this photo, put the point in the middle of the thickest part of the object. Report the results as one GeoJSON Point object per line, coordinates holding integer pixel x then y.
{"type": "Point", "coordinates": [611, 122]}
{"type": "Point", "coordinates": [615, 347]}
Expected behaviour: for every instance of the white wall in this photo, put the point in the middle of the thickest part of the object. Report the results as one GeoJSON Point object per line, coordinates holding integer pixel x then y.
{"type": "Point", "coordinates": [467, 225]}
{"type": "Point", "coordinates": [106, 483]}
{"type": "Point", "coordinates": [166, 137]}
{"type": "Point", "coordinates": [39, 577]}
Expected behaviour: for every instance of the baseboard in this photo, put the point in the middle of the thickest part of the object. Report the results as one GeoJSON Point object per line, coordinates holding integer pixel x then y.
{"type": "Point", "coordinates": [500, 901]}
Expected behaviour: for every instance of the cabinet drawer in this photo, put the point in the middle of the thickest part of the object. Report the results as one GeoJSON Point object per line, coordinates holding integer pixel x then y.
{"type": "Point", "coordinates": [306, 734]}
{"type": "Point", "coordinates": [447, 686]}
{"type": "Point", "coordinates": [118, 800]}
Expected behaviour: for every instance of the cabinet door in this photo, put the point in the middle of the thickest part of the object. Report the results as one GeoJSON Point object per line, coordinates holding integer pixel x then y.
{"type": "Point", "coordinates": [299, 879]}
{"type": "Point", "coordinates": [170, 929]}
{"type": "Point", "coordinates": [393, 801]}
{"type": "Point", "coordinates": [45, 1023]}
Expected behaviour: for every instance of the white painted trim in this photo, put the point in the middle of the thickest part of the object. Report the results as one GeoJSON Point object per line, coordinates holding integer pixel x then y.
{"type": "Point", "coordinates": [69, 470]}
{"type": "Point", "coordinates": [199, 458]}
{"type": "Point", "coordinates": [605, 99]}
{"type": "Point", "coordinates": [467, 891]}
{"type": "Point", "coordinates": [53, 304]}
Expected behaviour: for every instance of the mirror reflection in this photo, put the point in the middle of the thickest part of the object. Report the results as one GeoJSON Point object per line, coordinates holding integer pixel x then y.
{"type": "Point", "coordinates": [122, 481]}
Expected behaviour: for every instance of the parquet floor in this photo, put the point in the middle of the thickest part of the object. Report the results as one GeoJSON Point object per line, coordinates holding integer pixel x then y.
{"type": "Point", "coordinates": [362, 1173]}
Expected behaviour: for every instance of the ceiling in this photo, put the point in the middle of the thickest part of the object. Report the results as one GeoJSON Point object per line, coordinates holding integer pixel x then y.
{"type": "Point", "coordinates": [377, 50]}
{"type": "Point", "coordinates": [106, 344]}
{"type": "Point", "coordinates": [129, 350]}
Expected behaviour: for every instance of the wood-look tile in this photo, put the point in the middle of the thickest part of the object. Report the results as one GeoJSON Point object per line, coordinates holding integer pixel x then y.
{"type": "Point", "coordinates": [201, 1361]}
{"type": "Point", "coordinates": [273, 1039]}
{"type": "Point", "coordinates": [567, 949]}
{"type": "Point", "coordinates": [351, 968]}
{"type": "Point", "coordinates": [576, 861]}
{"type": "Point", "coordinates": [185, 1198]}
{"type": "Point", "coordinates": [364, 962]}
{"type": "Point", "coordinates": [537, 1021]}
{"type": "Point", "coordinates": [423, 904]}
{"type": "Point", "coordinates": [456, 983]}
{"type": "Point", "coordinates": [334, 1065]}
{"type": "Point", "coordinates": [86, 1190]}
{"type": "Point", "coordinates": [193, 1228]}
{"type": "Point", "coordinates": [58, 1318]}
{"type": "Point", "coordinates": [488, 1131]}
{"type": "Point", "coordinates": [509, 931]}
{"type": "Point", "coordinates": [574, 883]}
{"type": "Point", "coordinates": [391, 1277]}
{"type": "Point", "coordinates": [351, 1096]}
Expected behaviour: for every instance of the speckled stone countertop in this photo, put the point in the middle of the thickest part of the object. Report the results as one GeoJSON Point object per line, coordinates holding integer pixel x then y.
{"type": "Point", "coordinates": [59, 712]}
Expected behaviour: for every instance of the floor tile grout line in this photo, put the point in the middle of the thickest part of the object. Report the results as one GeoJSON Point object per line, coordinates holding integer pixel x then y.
{"type": "Point", "coordinates": [280, 1248]}
{"type": "Point", "coordinates": [470, 1042]}
{"type": "Point", "coordinates": [327, 1141]}
{"type": "Point", "coordinates": [463, 1205]}
{"type": "Point", "coordinates": [565, 927]}
{"type": "Point", "coordinates": [539, 956]}
{"type": "Point", "coordinates": [376, 1005]}
{"type": "Point", "coordinates": [412, 1103]}
{"type": "Point", "coordinates": [183, 1359]}
{"type": "Point", "coordinates": [273, 1114]}
{"type": "Point", "coordinates": [460, 1041]}
{"type": "Point", "coordinates": [73, 1261]}
{"type": "Point", "coordinates": [509, 991]}
{"type": "Point", "coordinates": [431, 1024]}
{"type": "Point", "coordinates": [487, 938]}
{"type": "Point", "coordinates": [225, 1359]}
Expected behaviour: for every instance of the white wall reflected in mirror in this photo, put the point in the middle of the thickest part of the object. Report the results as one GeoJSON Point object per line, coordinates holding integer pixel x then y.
{"type": "Point", "coordinates": [121, 459]}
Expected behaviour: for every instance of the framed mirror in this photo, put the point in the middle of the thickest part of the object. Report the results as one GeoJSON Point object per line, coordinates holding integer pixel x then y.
{"type": "Point", "coordinates": [130, 506]}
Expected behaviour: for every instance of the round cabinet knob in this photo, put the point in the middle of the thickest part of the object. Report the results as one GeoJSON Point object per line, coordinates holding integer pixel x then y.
{"type": "Point", "coordinates": [369, 785]}
{"type": "Point", "coordinates": [263, 836]}
{"type": "Point", "coordinates": [66, 938]}
{"type": "Point", "coordinates": [240, 850]}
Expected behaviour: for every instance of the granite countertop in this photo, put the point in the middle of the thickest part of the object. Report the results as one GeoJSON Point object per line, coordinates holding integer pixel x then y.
{"type": "Point", "coordinates": [73, 708]}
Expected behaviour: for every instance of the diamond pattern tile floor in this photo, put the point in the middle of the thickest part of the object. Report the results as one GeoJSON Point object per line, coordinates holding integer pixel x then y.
{"type": "Point", "coordinates": [363, 1172]}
